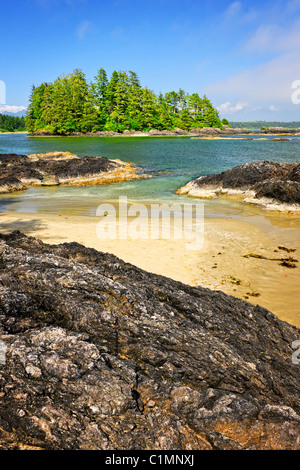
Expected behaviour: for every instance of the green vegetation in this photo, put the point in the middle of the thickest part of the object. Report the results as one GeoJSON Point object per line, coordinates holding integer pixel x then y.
{"type": "Point", "coordinates": [265, 124]}
{"type": "Point", "coordinates": [11, 123]}
{"type": "Point", "coordinates": [71, 104]}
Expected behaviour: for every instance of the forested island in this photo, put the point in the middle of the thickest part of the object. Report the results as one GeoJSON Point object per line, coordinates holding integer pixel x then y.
{"type": "Point", "coordinates": [11, 123]}
{"type": "Point", "coordinates": [72, 104]}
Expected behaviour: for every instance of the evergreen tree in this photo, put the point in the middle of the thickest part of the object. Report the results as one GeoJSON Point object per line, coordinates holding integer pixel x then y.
{"type": "Point", "coordinates": [11, 123]}
{"type": "Point", "coordinates": [100, 86]}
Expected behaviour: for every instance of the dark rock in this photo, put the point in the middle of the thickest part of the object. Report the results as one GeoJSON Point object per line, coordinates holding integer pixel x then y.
{"type": "Point", "coordinates": [275, 182]}
{"type": "Point", "coordinates": [21, 171]}
{"type": "Point", "coordinates": [103, 355]}
{"type": "Point", "coordinates": [282, 191]}
{"type": "Point", "coordinates": [10, 183]}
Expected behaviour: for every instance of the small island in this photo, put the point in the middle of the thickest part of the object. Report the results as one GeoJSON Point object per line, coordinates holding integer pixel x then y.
{"type": "Point", "coordinates": [72, 106]}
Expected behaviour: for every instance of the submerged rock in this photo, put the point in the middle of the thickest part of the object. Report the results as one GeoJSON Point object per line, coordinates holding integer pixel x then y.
{"type": "Point", "coordinates": [265, 182]}
{"type": "Point", "coordinates": [51, 169]}
{"type": "Point", "coordinates": [102, 355]}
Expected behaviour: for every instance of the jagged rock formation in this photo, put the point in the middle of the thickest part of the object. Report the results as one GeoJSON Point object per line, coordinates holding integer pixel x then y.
{"type": "Point", "coordinates": [102, 355]}
{"type": "Point", "coordinates": [18, 172]}
{"type": "Point", "coordinates": [268, 183]}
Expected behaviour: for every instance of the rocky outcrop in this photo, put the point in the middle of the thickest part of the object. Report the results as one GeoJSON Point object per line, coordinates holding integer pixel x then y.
{"type": "Point", "coordinates": [98, 354]}
{"type": "Point", "coordinates": [204, 131]}
{"type": "Point", "coordinates": [272, 184]}
{"type": "Point", "coordinates": [18, 172]}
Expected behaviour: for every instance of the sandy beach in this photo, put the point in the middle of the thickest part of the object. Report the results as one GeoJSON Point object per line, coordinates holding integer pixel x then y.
{"type": "Point", "coordinates": [220, 264]}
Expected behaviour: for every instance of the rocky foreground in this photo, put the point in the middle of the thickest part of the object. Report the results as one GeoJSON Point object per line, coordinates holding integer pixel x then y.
{"type": "Point", "coordinates": [271, 184]}
{"type": "Point", "coordinates": [98, 354]}
{"type": "Point", "coordinates": [18, 172]}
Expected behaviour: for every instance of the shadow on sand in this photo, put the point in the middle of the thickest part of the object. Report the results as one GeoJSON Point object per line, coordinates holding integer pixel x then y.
{"type": "Point", "coordinates": [28, 227]}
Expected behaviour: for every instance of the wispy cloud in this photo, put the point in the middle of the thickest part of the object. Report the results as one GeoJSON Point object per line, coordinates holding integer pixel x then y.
{"type": "Point", "coordinates": [236, 12]}
{"type": "Point", "coordinates": [274, 38]}
{"type": "Point", "coordinates": [227, 108]}
{"type": "Point", "coordinates": [84, 28]}
{"type": "Point", "coordinates": [232, 11]}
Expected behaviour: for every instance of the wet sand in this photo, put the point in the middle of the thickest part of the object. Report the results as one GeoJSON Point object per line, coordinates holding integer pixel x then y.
{"type": "Point", "coordinates": [220, 264]}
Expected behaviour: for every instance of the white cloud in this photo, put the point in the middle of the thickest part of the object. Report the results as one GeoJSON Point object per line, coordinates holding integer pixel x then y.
{"type": "Point", "coordinates": [11, 109]}
{"type": "Point", "coordinates": [273, 108]}
{"type": "Point", "coordinates": [226, 108]}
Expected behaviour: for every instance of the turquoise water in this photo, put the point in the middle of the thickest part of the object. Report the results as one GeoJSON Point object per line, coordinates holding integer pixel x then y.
{"type": "Point", "coordinates": [172, 161]}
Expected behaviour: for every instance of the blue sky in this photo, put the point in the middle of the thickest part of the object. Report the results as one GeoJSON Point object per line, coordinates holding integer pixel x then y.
{"type": "Point", "coordinates": [244, 55]}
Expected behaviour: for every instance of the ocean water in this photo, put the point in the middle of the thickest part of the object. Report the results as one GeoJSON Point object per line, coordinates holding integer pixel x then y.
{"type": "Point", "coordinates": [172, 162]}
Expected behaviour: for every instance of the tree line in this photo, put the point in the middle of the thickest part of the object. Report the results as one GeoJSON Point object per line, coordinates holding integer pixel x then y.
{"type": "Point", "coordinates": [72, 104]}
{"type": "Point", "coordinates": [11, 123]}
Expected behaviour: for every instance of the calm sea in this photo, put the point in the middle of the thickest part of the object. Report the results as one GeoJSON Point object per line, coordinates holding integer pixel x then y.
{"type": "Point", "coordinates": [173, 161]}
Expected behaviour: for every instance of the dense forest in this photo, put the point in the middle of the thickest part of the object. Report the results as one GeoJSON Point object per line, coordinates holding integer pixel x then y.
{"type": "Point", "coordinates": [260, 124]}
{"type": "Point", "coordinates": [72, 104]}
{"type": "Point", "coordinates": [11, 123]}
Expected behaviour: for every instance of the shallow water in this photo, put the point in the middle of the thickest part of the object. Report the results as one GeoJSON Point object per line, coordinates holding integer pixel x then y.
{"type": "Point", "coordinates": [172, 162]}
